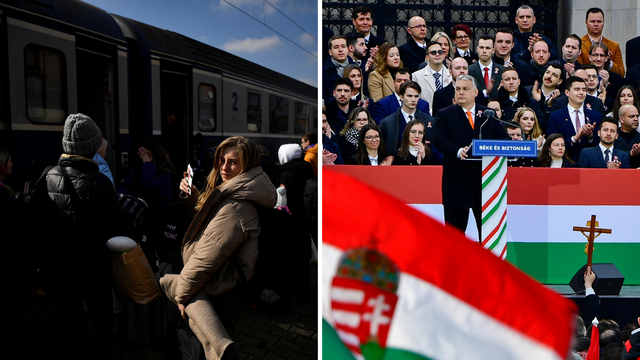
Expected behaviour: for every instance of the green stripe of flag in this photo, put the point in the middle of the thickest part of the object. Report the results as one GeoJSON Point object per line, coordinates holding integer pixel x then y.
{"type": "Point", "coordinates": [496, 206]}
{"type": "Point", "coordinates": [494, 173]}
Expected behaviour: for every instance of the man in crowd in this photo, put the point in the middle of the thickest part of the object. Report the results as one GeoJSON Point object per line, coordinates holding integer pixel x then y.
{"type": "Point", "coordinates": [389, 104]}
{"type": "Point", "coordinates": [392, 126]}
{"type": "Point", "coordinates": [487, 73]}
{"type": "Point", "coordinates": [340, 106]}
{"type": "Point", "coordinates": [334, 67]}
{"type": "Point", "coordinates": [363, 21]}
{"type": "Point", "coordinates": [575, 122]}
{"type": "Point", "coordinates": [609, 80]}
{"type": "Point", "coordinates": [513, 96]}
{"type": "Point", "coordinates": [632, 54]}
{"type": "Point", "coordinates": [461, 35]}
{"type": "Point", "coordinates": [571, 50]}
{"type": "Point", "coordinates": [444, 97]}
{"type": "Point", "coordinates": [503, 42]}
{"type": "Point", "coordinates": [525, 37]}
{"type": "Point", "coordinates": [605, 155]}
{"type": "Point", "coordinates": [549, 91]}
{"type": "Point", "coordinates": [591, 102]}
{"type": "Point", "coordinates": [455, 128]}
{"type": "Point", "coordinates": [434, 76]}
{"type": "Point", "coordinates": [595, 24]}
{"type": "Point", "coordinates": [414, 51]}
{"type": "Point", "coordinates": [539, 60]}
{"type": "Point", "coordinates": [628, 136]}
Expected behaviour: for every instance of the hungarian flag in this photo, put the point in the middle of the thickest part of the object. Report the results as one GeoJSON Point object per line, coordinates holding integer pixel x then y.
{"type": "Point", "coordinates": [398, 284]}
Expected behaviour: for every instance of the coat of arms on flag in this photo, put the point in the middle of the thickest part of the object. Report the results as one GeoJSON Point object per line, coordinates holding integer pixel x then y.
{"type": "Point", "coordinates": [363, 300]}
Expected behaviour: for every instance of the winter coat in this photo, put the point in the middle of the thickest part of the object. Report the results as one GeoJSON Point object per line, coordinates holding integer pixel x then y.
{"type": "Point", "coordinates": [95, 213]}
{"type": "Point", "coordinates": [225, 228]}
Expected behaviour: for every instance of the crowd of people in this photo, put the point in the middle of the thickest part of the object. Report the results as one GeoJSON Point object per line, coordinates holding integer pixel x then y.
{"type": "Point", "coordinates": [215, 254]}
{"type": "Point", "coordinates": [537, 91]}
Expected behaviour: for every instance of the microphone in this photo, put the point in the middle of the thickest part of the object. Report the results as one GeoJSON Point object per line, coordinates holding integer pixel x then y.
{"type": "Point", "coordinates": [489, 113]}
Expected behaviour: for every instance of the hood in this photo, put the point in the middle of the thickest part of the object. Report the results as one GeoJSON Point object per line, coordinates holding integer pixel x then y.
{"type": "Point", "coordinates": [287, 152]}
{"type": "Point", "coordinates": [253, 185]}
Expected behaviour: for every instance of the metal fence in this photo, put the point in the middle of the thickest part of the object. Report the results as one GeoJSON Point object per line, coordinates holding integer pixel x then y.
{"type": "Point", "coordinates": [482, 16]}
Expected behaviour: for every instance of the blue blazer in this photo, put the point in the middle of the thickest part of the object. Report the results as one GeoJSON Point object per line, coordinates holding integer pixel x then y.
{"type": "Point", "coordinates": [389, 105]}
{"type": "Point", "coordinates": [594, 158]}
{"type": "Point", "coordinates": [560, 122]}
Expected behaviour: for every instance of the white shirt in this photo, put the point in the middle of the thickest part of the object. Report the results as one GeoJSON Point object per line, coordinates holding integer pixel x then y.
{"type": "Point", "coordinates": [373, 160]}
{"type": "Point", "coordinates": [572, 116]}
{"type": "Point", "coordinates": [463, 53]}
{"type": "Point", "coordinates": [406, 115]}
{"type": "Point", "coordinates": [603, 149]}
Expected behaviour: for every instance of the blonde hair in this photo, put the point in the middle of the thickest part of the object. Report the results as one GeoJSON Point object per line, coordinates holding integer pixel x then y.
{"type": "Point", "coordinates": [440, 34]}
{"type": "Point", "coordinates": [536, 132]}
{"type": "Point", "coordinates": [248, 158]}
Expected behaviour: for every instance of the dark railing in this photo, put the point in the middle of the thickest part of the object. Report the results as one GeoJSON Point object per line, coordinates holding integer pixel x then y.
{"type": "Point", "coordinates": [482, 16]}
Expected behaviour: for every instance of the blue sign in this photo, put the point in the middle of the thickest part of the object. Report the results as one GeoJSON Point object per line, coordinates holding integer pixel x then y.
{"type": "Point", "coordinates": [509, 148]}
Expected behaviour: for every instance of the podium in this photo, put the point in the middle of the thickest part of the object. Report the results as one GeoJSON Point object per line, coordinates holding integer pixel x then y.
{"type": "Point", "coordinates": [494, 155]}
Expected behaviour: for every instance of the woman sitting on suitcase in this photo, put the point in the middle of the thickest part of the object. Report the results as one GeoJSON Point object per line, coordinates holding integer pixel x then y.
{"type": "Point", "coordinates": [222, 235]}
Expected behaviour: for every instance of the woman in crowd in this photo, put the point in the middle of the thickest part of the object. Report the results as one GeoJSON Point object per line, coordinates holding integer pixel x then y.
{"type": "Point", "coordinates": [554, 154]}
{"type": "Point", "coordinates": [224, 230]}
{"type": "Point", "coordinates": [387, 63]}
{"type": "Point", "coordinates": [531, 130]}
{"type": "Point", "coordinates": [371, 150]}
{"type": "Point", "coordinates": [354, 73]}
{"type": "Point", "coordinates": [350, 134]}
{"type": "Point", "coordinates": [627, 95]}
{"type": "Point", "coordinates": [447, 46]}
{"type": "Point", "coordinates": [414, 149]}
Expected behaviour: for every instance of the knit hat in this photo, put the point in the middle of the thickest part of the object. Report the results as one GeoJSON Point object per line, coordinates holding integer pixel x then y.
{"type": "Point", "coordinates": [81, 136]}
{"type": "Point", "coordinates": [289, 152]}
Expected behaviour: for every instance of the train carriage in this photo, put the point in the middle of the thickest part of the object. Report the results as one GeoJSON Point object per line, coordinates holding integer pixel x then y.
{"type": "Point", "coordinates": [135, 80]}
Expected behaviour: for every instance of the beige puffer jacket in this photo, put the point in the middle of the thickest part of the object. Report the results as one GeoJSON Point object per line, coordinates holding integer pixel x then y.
{"type": "Point", "coordinates": [227, 224]}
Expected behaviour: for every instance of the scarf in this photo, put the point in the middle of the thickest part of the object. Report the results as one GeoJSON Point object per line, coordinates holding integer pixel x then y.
{"type": "Point", "coordinates": [340, 66]}
{"type": "Point", "coordinates": [352, 135]}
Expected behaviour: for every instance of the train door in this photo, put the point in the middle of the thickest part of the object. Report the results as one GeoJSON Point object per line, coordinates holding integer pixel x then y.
{"type": "Point", "coordinates": [96, 66]}
{"type": "Point", "coordinates": [175, 112]}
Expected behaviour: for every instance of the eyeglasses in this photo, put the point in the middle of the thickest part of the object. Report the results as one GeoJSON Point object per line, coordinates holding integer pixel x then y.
{"type": "Point", "coordinates": [462, 37]}
{"type": "Point", "coordinates": [418, 27]}
{"type": "Point", "coordinates": [372, 137]}
{"type": "Point", "coordinates": [436, 52]}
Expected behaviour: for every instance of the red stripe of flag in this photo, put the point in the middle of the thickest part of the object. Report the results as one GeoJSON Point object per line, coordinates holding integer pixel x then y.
{"type": "Point", "coordinates": [495, 195]}
{"type": "Point", "coordinates": [442, 256]}
{"type": "Point", "coordinates": [491, 164]}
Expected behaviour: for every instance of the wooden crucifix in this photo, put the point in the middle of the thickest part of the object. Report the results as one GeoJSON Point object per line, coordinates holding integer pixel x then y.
{"type": "Point", "coordinates": [593, 232]}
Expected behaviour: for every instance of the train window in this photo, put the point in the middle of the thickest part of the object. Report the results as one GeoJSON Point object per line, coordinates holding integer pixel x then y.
{"type": "Point", "coordinates": [278, 114]}
{"type": "Point", "coordinates": [301, 115]}
{"type": "Point", "coordinates": [46, 85]}
{"type": "Point", "coordinates": [254, 113]}
{"type": "Point", "coordinates": [207, 107]}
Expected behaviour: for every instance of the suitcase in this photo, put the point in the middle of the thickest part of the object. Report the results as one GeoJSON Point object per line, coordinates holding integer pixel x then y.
{"type": "Point", "coordinates": [150, 323]}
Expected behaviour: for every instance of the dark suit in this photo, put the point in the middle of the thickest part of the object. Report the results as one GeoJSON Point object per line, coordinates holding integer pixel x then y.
{"type": "Point", "coordinates": [625, 145]}
{"type": "Point", "coordinates": [594, 158]}
{"type": "Point", "coordinates": [475, 70]}
{"type": "Point", "coordinates": [472, 58]}
{"type": "Point", "coordinates": [633, 76]}
{"type": "Point", "coordinates": [461, 179]}
{"type": "Point", "coordinates": [561, 122]}
{"type": "Point", "coordinates": [444, 97]}
{"type": "Point", "coordinates": [393, 126]}
{"type": "Point", "coordinates": [521, 45]}
{"type": "Point", "coordinates": [374, 41]}
{"type": "Point", "coordinates": [412, 55]}
{"type": "Point", "coordinates": [390, 104]}
{"type": "Point", "coordinates": [522, 68]}
{"type": "Point", "coordinates": [509, 107]}
{"type": "Point", "coordinates": [562, 101]}
{"type": "Point", "coordinates": [633, 52]}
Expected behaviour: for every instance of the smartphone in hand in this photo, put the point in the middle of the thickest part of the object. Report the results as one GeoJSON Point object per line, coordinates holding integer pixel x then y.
{"type": "Point", "coordinates": [189, 176]}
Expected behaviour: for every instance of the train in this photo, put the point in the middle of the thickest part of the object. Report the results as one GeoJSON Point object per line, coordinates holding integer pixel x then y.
{"type": "Point", "coordinates": [135, 81]}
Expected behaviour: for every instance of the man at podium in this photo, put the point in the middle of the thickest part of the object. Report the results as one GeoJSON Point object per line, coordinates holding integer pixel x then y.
{"type": "Point", "coordinates": [456, 127]}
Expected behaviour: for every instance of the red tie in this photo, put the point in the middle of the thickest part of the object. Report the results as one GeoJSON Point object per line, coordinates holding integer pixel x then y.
{"type": "Point", "coordinates": [486, 77]}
